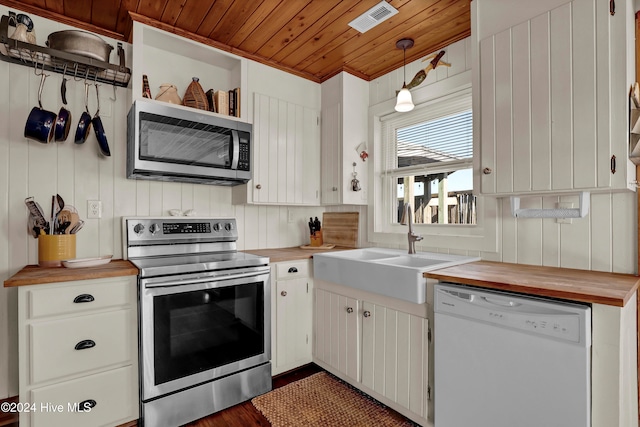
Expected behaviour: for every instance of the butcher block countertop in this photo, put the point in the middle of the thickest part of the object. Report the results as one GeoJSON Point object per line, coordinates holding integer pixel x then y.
{"type": "Point", "coordinates": [291, 254]}
{"type": "Point", "coordinates": [575, 285]}
{"type": "Point", "coordinates": [35, 275]}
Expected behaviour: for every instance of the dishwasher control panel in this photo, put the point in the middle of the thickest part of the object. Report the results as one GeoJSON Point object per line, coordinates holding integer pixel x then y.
{"type": "Point", "coordinates": [560, 320]}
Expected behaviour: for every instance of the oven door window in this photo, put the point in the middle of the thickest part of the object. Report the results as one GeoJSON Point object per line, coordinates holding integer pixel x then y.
{"type": "Point", "coordinates": [171, 140]}
{"type": "Point", "coordinates": [205, 329]}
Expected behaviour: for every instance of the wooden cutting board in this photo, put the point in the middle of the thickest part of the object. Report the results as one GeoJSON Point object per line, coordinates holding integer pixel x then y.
{"type": "Point", "coordinates": [340, 228]}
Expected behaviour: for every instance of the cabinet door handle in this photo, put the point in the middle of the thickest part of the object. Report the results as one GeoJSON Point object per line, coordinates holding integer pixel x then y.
{"type": "Point", "coordinates": [283, 293]}
{"type": "Point", "coordinates": [293, 270]}
{"type": "Point", "coordinates": [349, 310]}
{"type": "Point", "coordinates": [367, 313]}
{"type": "Point", "coordinates": [613, 164]}
{"type": "Point", "coordinates": [87, 404]}
{"type": "Point", "coordinates": [85, 344]}
{"type": "Point", "coordinates": [259, 187]}
{"type": "Point", "coordinates": [83, 298]}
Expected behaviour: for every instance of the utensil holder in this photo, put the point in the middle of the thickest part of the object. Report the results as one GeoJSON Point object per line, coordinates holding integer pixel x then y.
{"type": "Point", "coordinates": [53, 248]}
{"type": "Point", "coordinates": [316, 238]}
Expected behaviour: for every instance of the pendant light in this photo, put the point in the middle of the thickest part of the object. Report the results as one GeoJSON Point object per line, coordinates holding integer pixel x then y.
{"type": "Point", "coordinates": [404, 102]}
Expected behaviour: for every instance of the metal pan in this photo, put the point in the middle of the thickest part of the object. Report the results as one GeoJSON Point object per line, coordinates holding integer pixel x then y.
{"type": "Point", "coordinates": [80, 43]}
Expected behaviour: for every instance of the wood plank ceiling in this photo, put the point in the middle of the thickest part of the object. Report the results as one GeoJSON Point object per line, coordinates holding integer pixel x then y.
{"type": "Point", "coordinates": [310, 38]}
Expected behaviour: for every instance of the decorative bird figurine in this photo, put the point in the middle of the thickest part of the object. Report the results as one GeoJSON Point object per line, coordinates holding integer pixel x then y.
{"type": "Point", "coordinates": [422, 74]}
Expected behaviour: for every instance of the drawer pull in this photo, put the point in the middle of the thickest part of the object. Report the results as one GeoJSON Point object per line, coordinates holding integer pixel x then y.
{"type": "Point", "coordinates": [84, 344]}
{"type": "Point", "coordinates": [83, 298]}
{"type": "Point", "coordinates": [293, 270]}
{"type": "Point", "coordinates": [85, 405]}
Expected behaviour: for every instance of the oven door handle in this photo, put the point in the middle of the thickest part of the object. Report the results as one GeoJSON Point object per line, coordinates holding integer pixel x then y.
{"type": "Point", "coordinates": [204, 279]}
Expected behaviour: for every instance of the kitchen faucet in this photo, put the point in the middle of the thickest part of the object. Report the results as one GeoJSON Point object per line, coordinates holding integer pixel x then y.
{"type": "Point", "coordinates": [411, 236]}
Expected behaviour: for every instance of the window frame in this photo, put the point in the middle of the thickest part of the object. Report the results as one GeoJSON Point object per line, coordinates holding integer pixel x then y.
{"type": "Point", "coordinates": [478, 237]}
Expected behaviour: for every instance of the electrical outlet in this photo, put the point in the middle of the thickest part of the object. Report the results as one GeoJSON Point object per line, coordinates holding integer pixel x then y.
{"type": "Point", "coordinates": [94, 209]}
{"type": "Point", "coordinates": [290, 215]}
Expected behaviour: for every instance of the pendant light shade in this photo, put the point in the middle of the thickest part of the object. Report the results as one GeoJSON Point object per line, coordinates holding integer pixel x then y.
{"type": "Point", "coordinates": [404, 102]}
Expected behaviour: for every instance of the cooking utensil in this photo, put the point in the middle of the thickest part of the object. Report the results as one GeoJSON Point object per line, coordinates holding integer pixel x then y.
{"type": "Point", "coordinates": [77, 227]}
{"type": "Point", "coordinates": [40, 123]}
{"type": "Point", "coordinates": [99, 129]}
{"type": "Point", "coordinates": [63, 86]}
{"type": "Point", "coordinates": [59, 207]}
{"type": "Point", "coordinates": [84, 124]}
{"type": "Point", "coordinates": [36, 211]}
{"type": "Point", "coordinates": [80, 43]}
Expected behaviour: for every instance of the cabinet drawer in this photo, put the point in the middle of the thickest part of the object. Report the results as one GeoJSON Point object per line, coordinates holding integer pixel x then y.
{"type": "Point", "coordinates": [292, 270]}
{"type": "Point", "coordinates": [107, 337]}
{"type": "Point", "coordinates": [114, 393]}
{"type": "Point", "coordinates": [86, 295]}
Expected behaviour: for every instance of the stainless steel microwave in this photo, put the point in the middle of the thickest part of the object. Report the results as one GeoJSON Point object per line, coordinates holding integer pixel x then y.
{"type": "Point", "coordinates": [175, 143]}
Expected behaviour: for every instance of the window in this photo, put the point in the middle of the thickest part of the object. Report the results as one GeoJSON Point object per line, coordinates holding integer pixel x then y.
{"type": "Point", "coordinates": [428, 163]}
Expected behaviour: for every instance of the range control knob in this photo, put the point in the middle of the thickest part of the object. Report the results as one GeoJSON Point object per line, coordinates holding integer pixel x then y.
{"type": "Point", "coordinates": [138, 229]}
{"type": "Point", "coordinates": [216, 227]}
{"type": "Point", "coordinates": [228, 226]}
{"type": "Point", "coordinates": [154, 228]}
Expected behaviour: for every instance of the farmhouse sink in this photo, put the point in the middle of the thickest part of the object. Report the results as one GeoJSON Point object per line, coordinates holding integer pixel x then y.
{"type": "Point", "coordinates": [389, 272]}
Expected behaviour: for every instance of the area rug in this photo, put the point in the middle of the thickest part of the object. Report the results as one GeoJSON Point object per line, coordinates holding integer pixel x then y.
{"type": "Point", "coordinates": [322, 400]}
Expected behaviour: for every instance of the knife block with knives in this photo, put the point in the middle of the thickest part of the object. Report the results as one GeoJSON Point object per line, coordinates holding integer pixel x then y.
{"type": "Point", "coordinates": [315, 232]}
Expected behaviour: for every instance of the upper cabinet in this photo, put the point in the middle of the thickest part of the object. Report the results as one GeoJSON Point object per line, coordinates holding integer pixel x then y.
{"type": "Point", "coordinates": [166, 58]}
{"type": "Point", "coordinates": [345, 105]}
{"type": "Point", "coordinates": [551, 96]}
{"type": "Point", "coordinates": [285, 158]}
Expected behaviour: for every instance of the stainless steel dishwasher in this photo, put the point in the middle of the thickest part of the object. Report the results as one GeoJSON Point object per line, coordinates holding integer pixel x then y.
{"type": "Point", "coordinates": [507, 360]}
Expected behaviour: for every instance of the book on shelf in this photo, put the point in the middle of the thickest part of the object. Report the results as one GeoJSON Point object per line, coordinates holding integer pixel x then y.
{"type": "Point", "coordinates": [221, 100]}
{"type": "Point", "coordinates": [232, 103]}
{"type": "Point", "coordinates": [210, 99]}
{"type": "Point", "coordinates": [236, 93]}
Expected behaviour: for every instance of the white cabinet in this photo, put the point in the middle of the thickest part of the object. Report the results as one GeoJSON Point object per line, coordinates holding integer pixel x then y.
{"type": "Point", "coordinates": [286, 149]}
{"type": "Point", "coordinates": [337, 333]}
{"type": "Point", "coordinates": [395, 356]}
{"type": "Point", "coordinates": [291, 315]}
{"type": "Point", "coordinates": [78, 352]}
{"type": "Point", "coordinates": [345, 103]}
{"type": "Point", "coordinates": [168, 58]}
{"type": "Point", "coordinates": [382, 350]}
{"type": "Point", "coordinates": [553, 97]}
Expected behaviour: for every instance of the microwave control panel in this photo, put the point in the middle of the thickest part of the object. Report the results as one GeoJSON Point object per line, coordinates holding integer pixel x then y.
{"type": "Point", "coordinates": [244, 158]}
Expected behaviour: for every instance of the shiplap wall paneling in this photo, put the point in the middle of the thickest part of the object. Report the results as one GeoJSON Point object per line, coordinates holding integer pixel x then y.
{"type": "Point", "coordinates": [601, 241]}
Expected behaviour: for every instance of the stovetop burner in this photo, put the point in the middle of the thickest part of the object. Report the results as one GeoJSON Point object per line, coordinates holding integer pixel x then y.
{"type": "Point", "coordinates": [167, 246]}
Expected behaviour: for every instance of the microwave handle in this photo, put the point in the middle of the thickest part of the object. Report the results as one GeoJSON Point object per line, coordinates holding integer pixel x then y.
{"type": "Point", "coordinates": [236, 149]}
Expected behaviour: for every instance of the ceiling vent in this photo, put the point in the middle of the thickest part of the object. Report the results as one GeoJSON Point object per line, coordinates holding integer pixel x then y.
{"type": "Point", "coordinates": [373, 17]}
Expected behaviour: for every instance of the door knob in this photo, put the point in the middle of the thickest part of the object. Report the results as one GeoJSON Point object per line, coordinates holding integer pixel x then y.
{"type": "Point", "coordinates": [349, 309]}
{"type": "Point", "coordinates": [283, 293]}
{"type": "Point", "coordinates": [367, 313]}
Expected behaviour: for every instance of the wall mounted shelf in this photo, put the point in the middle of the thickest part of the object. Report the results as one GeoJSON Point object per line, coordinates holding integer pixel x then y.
{"type": "Point", "coordinates": [30, 55]}
{"type": "Point", "coordinates": [579, 212]}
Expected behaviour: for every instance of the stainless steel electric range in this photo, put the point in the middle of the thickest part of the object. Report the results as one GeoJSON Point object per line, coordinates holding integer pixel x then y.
{"type": "Point", "coordinates": [204, 317]}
